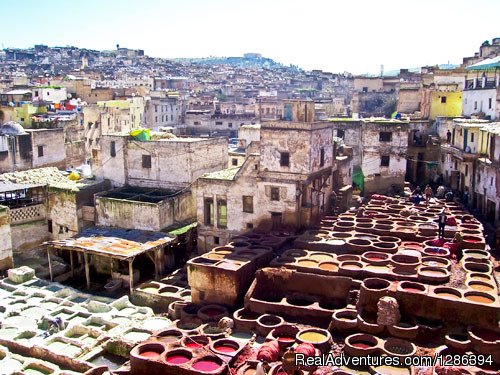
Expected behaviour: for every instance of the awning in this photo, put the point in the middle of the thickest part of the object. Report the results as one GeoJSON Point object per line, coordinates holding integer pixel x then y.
{"type": "Point", "coordinates": [491, 63]}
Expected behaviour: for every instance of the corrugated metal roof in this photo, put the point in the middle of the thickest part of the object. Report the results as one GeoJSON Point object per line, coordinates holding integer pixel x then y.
{"type": "Point", "coordinates": [10, 186]}
{"type": "Point", "coordinates": [114, 242]}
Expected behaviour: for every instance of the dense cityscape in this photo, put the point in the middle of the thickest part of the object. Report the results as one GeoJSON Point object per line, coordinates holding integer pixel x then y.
{"type": "Point", "coordinates": [237, 215]}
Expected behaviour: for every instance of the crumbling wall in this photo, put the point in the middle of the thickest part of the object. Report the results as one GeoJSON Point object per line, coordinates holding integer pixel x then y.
{"type": "Point", "coordinates": [5, 240]}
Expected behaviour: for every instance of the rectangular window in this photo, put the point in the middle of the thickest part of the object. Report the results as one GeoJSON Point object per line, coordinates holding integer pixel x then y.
{"type": "Point", "coordinates": [475, 105]}
{"type": "Point", "coordinates": [230, 125]}
{"type": "Point", "coordinates": [221, 213]}
{"type": "Point", "coordinates": [216, 240]}
{"type": "Point", "coordinates": [208, 211]}
{"type": "Point", "coordinates": [196, 123]}
{"type": "Point", "coordinates": [275, 194]}
{"type": "Point", "coordinates": [340, 133]}
{"type": "Point", "coordinates": [40, 151]}
{"type": "Point", "coordinates": [234, 162]}
{"type": "Point", "coordinates": [218, 122]}
{"type": "Point", "coordinates": [384, 160]}
{"type": "Point", "coordinates": [146, 161]}
{"type": "Point", "coordinates": [466, 170]}
{"type": "Point", "coordinates": [322, 157]}
{"type": "Point", "coordinates": [489, 103]}
{"type": "Point", "coordinates": [472, 137]}
{"type": "Point", "coordinates": [248, 203]}
{"type": "Point", "coordinates": [49, 226]}
{"type": "Point", "coordinates": [385, 136]}
{"type": "Point", "coordinates": [156, 108]}
{"type": "Point", "coordinates": [443, 99]}
{"type": "Point", "coordinates": [285, 159]}
{"type": "Point", "coordinates": [249, 226]}
{"type": "Point", "coordinates": [112, 150]}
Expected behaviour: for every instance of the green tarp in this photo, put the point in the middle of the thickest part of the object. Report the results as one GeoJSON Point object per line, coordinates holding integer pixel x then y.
{"type": "Point", "coordinates": [140, 134]}
{"type": "Point", "coordinates": [358, 178]}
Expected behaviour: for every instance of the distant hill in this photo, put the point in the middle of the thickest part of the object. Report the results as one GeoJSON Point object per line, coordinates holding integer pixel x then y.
{"type": "Point", "coordinates": [240, 62]}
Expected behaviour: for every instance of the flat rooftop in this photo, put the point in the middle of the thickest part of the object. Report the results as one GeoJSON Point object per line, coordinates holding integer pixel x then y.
{"type": "Point", "coordinates": [114, 242]}
{"type": "Point", "coordinates": [139, 194]}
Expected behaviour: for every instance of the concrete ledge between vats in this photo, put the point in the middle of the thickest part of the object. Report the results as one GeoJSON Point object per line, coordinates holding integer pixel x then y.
{"type": "Point", "coordinates": [38, 352]}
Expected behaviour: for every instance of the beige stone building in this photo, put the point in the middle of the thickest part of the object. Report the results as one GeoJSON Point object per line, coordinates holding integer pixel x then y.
{"type": "Point", "coordinates": [285, 181]}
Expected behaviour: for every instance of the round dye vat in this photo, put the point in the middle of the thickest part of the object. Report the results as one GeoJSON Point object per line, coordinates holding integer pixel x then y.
{"type": "Point", "coordinates": [212, 311]}
{"type": "Point", "coordinates": [412, 287]}
{"type": "Point", "coordinates": [177, 359]}
{"type": "Point", "coordinates": [481, 287]}
{"type": "Point", "coordinates": [313, 337]}
{"type": "Point", "coordinates": [434, 273]}
{"type": "Point", "coordinates": [321, 257]}
{"type": "Point", "coordinates": [479, 298]}
{"type": "Point", "coordinates": [149, 289]}
{"type": "Point", "coordinates": [225, 348]}
{"type": "Point", "coordinates": [391, 370]}
{"type": "Point", "coordinates": [286, 339]}
{"type": "Point", "coordinates": [351, 266]}
{"type": "Point", "coordinates": [193, 345]}
{"type": "Point", "coordinates": [136, 336]}
{"type": "Point", "coordinates": [328, 266]}
{"type": "Point", "coordinates": [150, 354]}
{"type": "Point", "coordinates": [362, 344]}
{"type": "Point", "coordinates": [448, 295]}
{"type": "Point", "coordinates": [206, 365]}
{"type": "Point", "coordinates": [307, 263]}
{"type": "Point", "coordinates": [377, 269]}
{"type": "Point", "coordinates": [485, 334]}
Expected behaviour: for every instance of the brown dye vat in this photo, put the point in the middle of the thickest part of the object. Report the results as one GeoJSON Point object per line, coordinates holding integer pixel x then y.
{"type": "Point", "coordinates": [329, 266]}
{"type": "Point", "coordinates": [412, 287]}
{"type": "Point", "coordinates": [432, 272]}
{"type": "Point", "coordinates": [376, 284]}
{"type": "Point", "coordinates": [480, 277]}
{"type": "Point", "coordinates": [319, 257]}
{"type": "Point", "coordinates": [340, 235]}
{"type": "Point", "coordinates": [348, 257]}
{"type": "Point", "coordinates": [479, 297]}
{"type": "Point", "coordinates": [477, 267]}
{"type": "Point", "coordinates": [375, 257]}
{"type": "Point", "coordinates": [449, 293]}
{"type": "Point", "coordinates": [481, 287]}
{"type": "Point", "coordinates": [351, 265]}
{"type": "Point", "coordinates": [307, 263]}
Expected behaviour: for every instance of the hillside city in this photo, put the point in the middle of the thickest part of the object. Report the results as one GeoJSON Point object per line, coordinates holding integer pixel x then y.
{"type": "Point", "coordinates": [237, 215]}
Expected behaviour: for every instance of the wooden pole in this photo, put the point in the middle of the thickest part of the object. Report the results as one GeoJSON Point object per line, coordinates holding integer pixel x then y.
{"type": "Point", "coordinates": [72, 263]}
{"type": "Point", "coordinates": [156, 262]}
{"type": "Point", "coordinates": [87, 269]}
{"type": "Point", "coordinates": [50, 264]}
{"type": "Point", "coordinates": [131, 275]}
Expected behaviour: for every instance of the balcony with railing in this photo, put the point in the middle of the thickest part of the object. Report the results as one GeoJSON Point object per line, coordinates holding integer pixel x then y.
{"type": "Point", "coordinates": [27, 214]}
{"type": "Point", "coordinates": [483, 83]}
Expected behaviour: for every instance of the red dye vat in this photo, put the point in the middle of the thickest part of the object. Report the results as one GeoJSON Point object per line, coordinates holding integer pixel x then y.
{"type": "Point", "coordinates": [472, 239]}
{"type": "Point", "coordinates": [206, 366]}
{"type": "Point", "coordinates": [150, 355]}
{"type": "Point", "coordinates": [486, 335]}
{"type": "Point", "coordinates": [177, 359]}
{"type": "Point", "coordinates": [225, 348]}
{"type": "Point", "coordinates": [362, 345]}
{"type": "Point", "coordinates": [193, 345]}
{"type": "Point", "coordinates": [286, 339]}
{"type": "Point", "coordinates": [212, 312]}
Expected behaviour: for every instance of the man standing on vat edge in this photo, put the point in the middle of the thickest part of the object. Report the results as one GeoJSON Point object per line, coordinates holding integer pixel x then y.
{"type": "Point", "coordinates": [442, 223]}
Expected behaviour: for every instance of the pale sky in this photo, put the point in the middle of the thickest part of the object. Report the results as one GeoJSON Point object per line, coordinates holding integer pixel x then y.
{"type": "Point", "coordinates": [332, 35]}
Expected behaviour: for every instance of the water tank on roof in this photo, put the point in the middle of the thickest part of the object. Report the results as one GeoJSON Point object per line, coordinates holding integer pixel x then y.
{"type": "Point", "coordinates": [12, 128]}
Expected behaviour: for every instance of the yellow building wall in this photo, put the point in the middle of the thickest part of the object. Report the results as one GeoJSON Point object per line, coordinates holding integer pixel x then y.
{"type": "Point", "coordinates": [452, 107]}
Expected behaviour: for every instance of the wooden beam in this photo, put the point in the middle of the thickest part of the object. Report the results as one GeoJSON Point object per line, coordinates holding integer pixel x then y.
{"type": "Point", "coordinates": [87, 269]}
{"type": "Point", "coordinates": [131, 275]}
{"type": "Point", "coordinates": [50, 264]}
{"type": "Point", "coordinates": [72, 263]}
